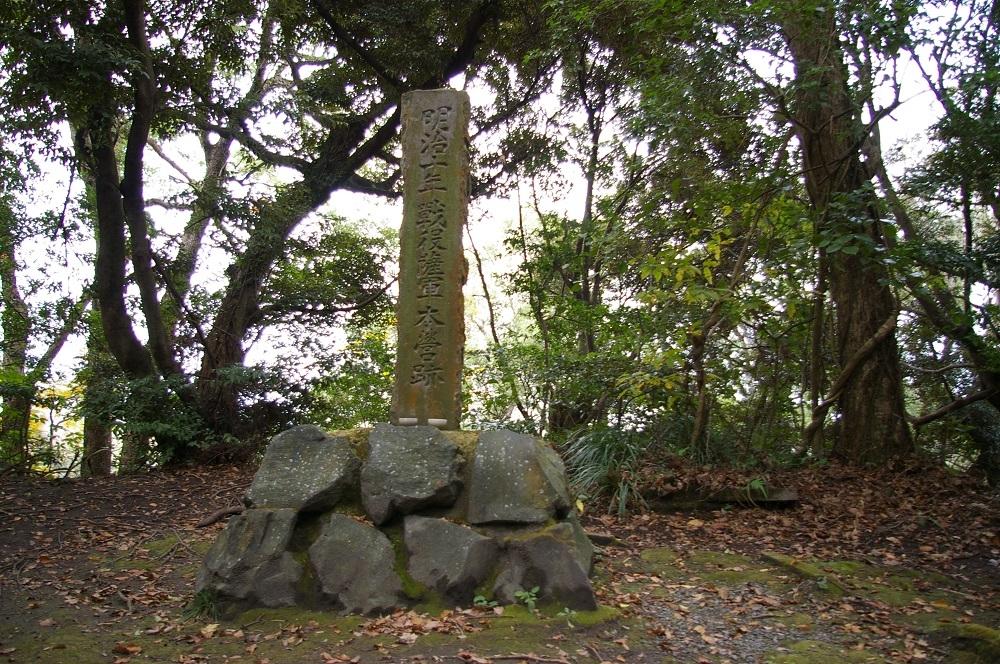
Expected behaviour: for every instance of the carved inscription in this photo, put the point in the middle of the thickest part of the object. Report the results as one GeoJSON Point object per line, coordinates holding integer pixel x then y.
{"type": "Point", "coordinates": [438, 126]}
{"type": "Point", "coordinates": [431, 329]}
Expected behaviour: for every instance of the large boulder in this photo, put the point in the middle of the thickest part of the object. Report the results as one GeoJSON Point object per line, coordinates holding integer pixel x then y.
{"type": "Point", "coordinates": [409, 468]}
{"type": "Point", "coordinates": [550, 560]}
{"type": "Point", "coordinates": [249, 562]}
{"type": "Point", "coordinates": [516, 478]}
{"type": "Point", "coordinates": [304, 469]}
{"type": "Point", "coordinates": [354, 565]}
{"type": "Point", "coordinates": [448, 558]}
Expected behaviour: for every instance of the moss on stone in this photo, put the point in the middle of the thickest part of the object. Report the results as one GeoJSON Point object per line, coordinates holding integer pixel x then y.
{"type": "Point", "coordinates": [823, 580]}
{"type": "Point", "coordinates": [358, 438]}
{"type": "Point", "coordinates": [413, 589]}
{"type": "Point", "coordinates": [465, 440]}
{"type": "Point", "coordinates": [485, 589]}
{"type": "Point", "coordinates": [982, 640]}
{"type": "Point", "coordinates": [307, 529]}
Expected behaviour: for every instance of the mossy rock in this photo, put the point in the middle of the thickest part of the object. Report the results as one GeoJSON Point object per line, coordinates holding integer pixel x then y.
{"type": "Point", "coordinates": [822, 579]}
{"type": "Point", "coordinates": [978, 639]}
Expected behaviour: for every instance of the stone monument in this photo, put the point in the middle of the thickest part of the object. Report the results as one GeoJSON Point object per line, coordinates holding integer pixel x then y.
{"type": "Point", "coordinates": [430, 312]}
{"type": "Point", "coordinates": [371, 520]}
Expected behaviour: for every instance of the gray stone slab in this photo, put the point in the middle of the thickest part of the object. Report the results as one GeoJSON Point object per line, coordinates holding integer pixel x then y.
{"type": "Point", "coordinates": [354, 565]}
{"type": "Point", "coordinates": [408, 468]}
{"type": "Point", "coordinates": [304, 469]}
{"type": "Point", "coordinates": [448, 558]}
{"type": "Point", "coordinates": [516, 478]}
{"type": "Point", "coordinates": [550, 560]}
{"type": "Point", "coordinates": [432, 268]}
{"type": "Point", "coordinates": [249, 561]}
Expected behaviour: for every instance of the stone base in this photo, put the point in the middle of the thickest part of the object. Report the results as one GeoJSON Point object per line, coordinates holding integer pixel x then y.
{"type": "Point", "coordinates": [368, 522]}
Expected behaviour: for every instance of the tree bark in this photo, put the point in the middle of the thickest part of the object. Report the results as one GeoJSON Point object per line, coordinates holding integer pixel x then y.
{"type": "Point", "coordinates": [872, 426]}
{"type": "Point", "coordinates": [15, 322]}
{"type": "Point", "coordinates": [100, 371]}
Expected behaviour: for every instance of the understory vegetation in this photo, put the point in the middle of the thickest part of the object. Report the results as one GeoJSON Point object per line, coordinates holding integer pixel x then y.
{"type": "Point", "coordinates": [756, 235]}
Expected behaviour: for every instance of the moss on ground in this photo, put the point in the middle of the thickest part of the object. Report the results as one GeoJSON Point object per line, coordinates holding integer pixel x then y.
{"type": "Point", "coordinates": [802, 621]}
{"type": "Point", "coordinates": [293, 615]}
{"type": "Point", "coordinates": [659, 557]}
{"type": "Point", "coordinates": [732, 569]}
{"type": "Point", "coordinates": [519, 630]}
{"type": "Point", "coordinates": [819, 652]}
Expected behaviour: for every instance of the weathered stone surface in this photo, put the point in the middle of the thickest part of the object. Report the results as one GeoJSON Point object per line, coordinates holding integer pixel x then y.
{"type": "Point", "coordinates": [354, 566]}
{"type": "Point", "coordinates": [432, 269]}
{"type": "Point", "coordinates": [249, 561]}
{"type": "Point", "coordinates": [516, 478]}
{"type": "Point", "coordinates": [304, 469]}
{"type": "Point", "coordinates": [582, 544]}
{"type": "Point", "coordinates": [548, 559]}
{"type": "Point", "coordinates": [408, 468]}
{"type": "Point", "coordinates": [448, 558]}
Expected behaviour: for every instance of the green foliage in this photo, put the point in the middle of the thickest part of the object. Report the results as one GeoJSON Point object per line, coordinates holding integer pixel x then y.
{"type": "Point", "coordinates": [527, 597]}
{"type": "Point", "coordinates": [604, 462]}
{"type": "Point", "coordinates": [483, 602]}
{"type": "Point", "coordinates": [356, 386]}
{"type": "Point", "coordinates": [204, 604]}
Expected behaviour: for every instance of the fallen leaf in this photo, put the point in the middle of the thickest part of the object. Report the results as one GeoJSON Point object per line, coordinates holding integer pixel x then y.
{"type": "Point", "coordinates": [126, 649]}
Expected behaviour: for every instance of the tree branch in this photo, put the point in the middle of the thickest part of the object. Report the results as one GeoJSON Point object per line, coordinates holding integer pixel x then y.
{"type": "Point", "coordinates": [345, 37]}
{"type": "Point", "coordinates": [819, 412]}
{"type": "Point", "coordinates": [957, 404]}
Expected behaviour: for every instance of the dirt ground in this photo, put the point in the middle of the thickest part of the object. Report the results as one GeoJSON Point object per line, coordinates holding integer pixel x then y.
{"type": "Point", "coordinates": [868, 567]}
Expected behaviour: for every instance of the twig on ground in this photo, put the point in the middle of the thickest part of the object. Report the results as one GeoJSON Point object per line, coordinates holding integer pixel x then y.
{"type": "Point", "coordinates": [127, 600]}
{"type": "Point", "coordinates": [219, 515]}
{"type": "Point", "coordinates": [180, 541]}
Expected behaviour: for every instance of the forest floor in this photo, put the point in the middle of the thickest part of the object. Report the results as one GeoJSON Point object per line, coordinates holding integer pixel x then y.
{"type": "Point", "coordinates": [868, 567]}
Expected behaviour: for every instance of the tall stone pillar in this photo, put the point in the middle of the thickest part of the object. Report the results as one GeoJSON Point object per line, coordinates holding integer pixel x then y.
{"type": "Point", "coordinates": [432, 268]}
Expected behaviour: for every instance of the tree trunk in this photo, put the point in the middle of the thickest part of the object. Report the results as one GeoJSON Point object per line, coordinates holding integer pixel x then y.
{"type": "Point", "coordinates": [872, 427]}
{"type": "Point", "coordinates": [99, 372]}
{"type": "Point", "coordinates": [96, 448]}
{"type": "Point", "coordinates": [15, 323]}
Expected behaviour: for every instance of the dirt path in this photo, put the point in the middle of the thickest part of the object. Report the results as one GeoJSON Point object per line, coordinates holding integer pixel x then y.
{"type": "Point", "coordinates": [869, 568]}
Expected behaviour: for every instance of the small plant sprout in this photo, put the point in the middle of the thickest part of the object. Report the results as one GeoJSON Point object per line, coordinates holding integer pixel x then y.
{"type": "Point", "coordinates": [483, 602]}
{"type": "Point", "coordinates": [527, 597]}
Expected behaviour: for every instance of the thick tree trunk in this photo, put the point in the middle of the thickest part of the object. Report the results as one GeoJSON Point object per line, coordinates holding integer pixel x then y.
{"type": "Point", "coordinates": [100, 371]}
{"type": "Point", "coordinates": [218, 396]}
{"type": "Point", "coordinates": [872, 427]}
{"type": "Point", "coordinates": [96, 448]}
{"type": "Point", "coordinates": [15, 323]}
